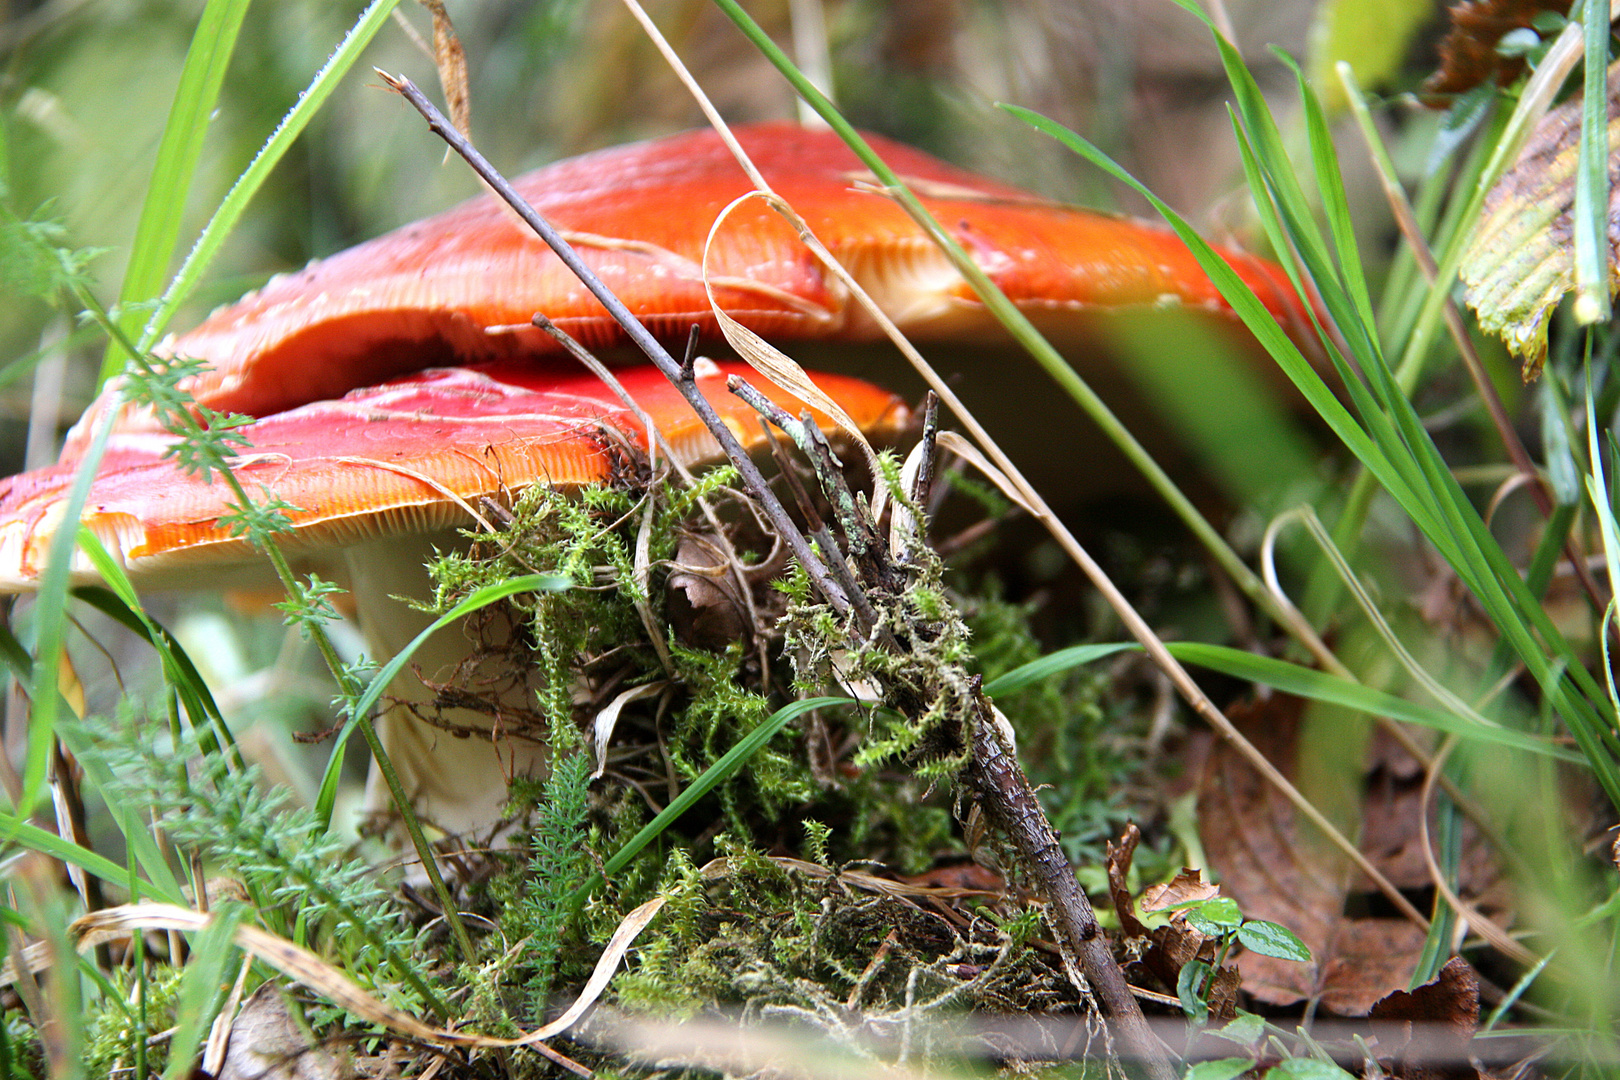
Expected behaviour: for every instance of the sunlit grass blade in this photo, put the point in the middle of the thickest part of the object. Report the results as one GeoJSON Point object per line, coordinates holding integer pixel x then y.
{"type": "Point", "coordinates": [1335, 201]}
{"type": "Point", "coordinates": [275, 148]}
{"type": "Point", "coordinates": [180, 150]}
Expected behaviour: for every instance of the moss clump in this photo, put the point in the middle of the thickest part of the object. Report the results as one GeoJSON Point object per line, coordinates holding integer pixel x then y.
{"type": "Point", "coordinates": [845, 956]}
{"type": "Point", "coordinates": [757, 919]}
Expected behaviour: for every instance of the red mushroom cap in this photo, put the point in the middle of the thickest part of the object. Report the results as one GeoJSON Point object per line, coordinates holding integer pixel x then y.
{"type": "Point", "coordinates": [407, 456]}
{"type": "Point", "coordinates": [461, 287]}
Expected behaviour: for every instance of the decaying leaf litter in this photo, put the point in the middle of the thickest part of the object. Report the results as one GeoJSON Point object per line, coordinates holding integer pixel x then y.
{"type": "Point", "coordinates": [1301, 896]}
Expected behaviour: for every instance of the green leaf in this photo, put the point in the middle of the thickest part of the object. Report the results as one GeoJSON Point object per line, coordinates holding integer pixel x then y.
{"type": "Point", "coordinates": [1215, 917]}
{"type": "Point", "coordinates": [1271, 939]}
{"type": "Point", "coordinates": [1052, 664]}
{"type": "Point", "coordinates": [1189, 988]}
{"type": "Point", "coordinates": [1303, 1068]}
{"type": "Point", "coordinates": [1219, 1069]}
{"type": "Point", "coordinates": [1244, 1029]}
{"type": "Point", "coordinates": [203, 987]}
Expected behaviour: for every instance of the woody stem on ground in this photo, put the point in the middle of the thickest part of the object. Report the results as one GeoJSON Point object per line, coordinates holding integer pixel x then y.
{"type": "Point", "coordinates": [993, 773]}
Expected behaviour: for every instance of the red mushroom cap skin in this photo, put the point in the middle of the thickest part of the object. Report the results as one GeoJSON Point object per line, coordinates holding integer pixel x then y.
{"type": "Point", "coordinates": [461, 287]}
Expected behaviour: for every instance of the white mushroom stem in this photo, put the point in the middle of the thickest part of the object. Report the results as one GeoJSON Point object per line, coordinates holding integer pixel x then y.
{"type": "Point", "coordinates": [457, 784]}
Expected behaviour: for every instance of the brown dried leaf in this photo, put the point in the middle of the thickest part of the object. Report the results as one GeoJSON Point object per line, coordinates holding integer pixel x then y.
{"type": "Point", "coordinates": [1186, 887]}
{"type": "Point", "coordinates": [1119, 866]}
{"type": "Point", "coordinates": [1176, 944]}
{"type": "Point", "coordinates": [702, 606]}
{"type": "Point", "coordinates": [1521, 259]}
{"type": "Point", "coordinates": [451, 60]}
{"type": "Point", "coordinates": [266, 1044]}
{"type": "Point", "coordinates": [967, 877]}
{"type": "Point", "coordinates": [1438, 1019]}
{"type": "Point", "coordinates": [1277, 867]}
{"type": "Point", "coordinates": [1468, 55]}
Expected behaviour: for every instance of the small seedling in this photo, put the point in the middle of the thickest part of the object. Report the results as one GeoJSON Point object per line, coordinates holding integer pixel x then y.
{"type": "Point", "coordinates": [1220, 919]}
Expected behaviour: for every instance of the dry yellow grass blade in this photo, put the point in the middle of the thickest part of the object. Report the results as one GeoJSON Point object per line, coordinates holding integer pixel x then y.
{"type": "Point", "coordinates": [761, 355]}
{"type": "Point", "coordinates": [303, 966]}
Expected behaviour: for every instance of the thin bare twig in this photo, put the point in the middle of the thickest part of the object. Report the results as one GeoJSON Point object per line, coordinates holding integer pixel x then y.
{"type": "Point", "coordinates": [638, 334]}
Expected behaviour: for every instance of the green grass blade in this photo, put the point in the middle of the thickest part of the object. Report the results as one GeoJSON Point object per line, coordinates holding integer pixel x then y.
{"type": "Point", "coordinates": [119, 601]}
{"type": "Point", "coordinates": [1291, 679]}
{"type": "Point", "coordinates": [158, 231]}
{"type": "Point", "coordinates": [202, 987]}
{"type": "Point", "coordinates": [50, 621]}
{"type": "Point", "coordinates": [1335, 203]}
{"type": "Point", "coordinates": [247, 185]}
{"type": "Point", "coordinates": [1054, 663]}
{"type": "Point", "coordinates": [31, 836]}
{"type": "Point", "coordinates": [1591, 218]}
{"type": "Point", "coordinates": [1260, 322]}
{"type": "Point", "coordinates": [729, 763]}
{"type": "Point", "coordinates": [1331, 689]}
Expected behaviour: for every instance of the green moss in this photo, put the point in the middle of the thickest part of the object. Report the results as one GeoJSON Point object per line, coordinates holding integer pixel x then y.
{"type": "Point", "coordinates": [740, 930]}
{"type": "Point", "coordinates": [112, 1029]}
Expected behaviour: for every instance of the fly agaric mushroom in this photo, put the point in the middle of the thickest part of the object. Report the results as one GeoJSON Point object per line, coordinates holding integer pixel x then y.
{"type": "Point", "coordinates": [460, 289]}
{"type": "Point", "coordinates": [377, 479]}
